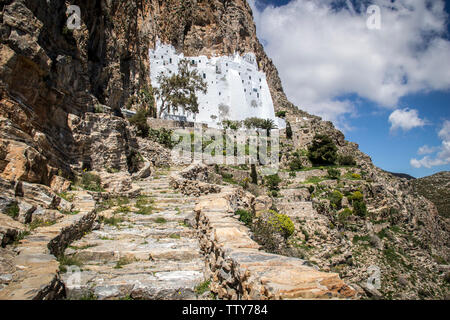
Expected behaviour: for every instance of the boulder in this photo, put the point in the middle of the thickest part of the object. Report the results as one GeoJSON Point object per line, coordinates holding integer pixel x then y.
{"type": "Point", "coordinates": [59, 184]}
{"type": "Point", "coordinates": [9, 229]}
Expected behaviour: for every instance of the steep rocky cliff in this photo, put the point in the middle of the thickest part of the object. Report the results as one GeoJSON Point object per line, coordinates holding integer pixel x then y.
{"type": "Point", "coordinates": [53, 81]}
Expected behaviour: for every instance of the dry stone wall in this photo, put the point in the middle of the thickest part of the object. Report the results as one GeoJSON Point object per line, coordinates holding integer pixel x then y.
{"type": "Point", "coordinates": [234, 261]}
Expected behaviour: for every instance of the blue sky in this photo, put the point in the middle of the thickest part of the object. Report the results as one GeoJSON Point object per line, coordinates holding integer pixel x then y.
{"type": "Point", "coordinates": [388, 89]}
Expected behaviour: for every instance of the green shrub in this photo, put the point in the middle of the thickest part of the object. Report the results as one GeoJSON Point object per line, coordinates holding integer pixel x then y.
{"type": "Point", "coordinates": [344, 215]}
{"type": "Point", "coordinates": [272, 181]}
{"type": "Point", "coordinates": [202, 287]}
{"type": "Point", "coordinates": [292, 174]}
{"type": "Point", "coordinates": [334, 174]}
{"type": "Point", "coordinates": [139, 120]}
{"type": "Point", "coordinates": [163, 136]}
{"type": "Point", "coordinates": [91, 182]}
{"type": "Point", "coordinates": [356, 176]}
{"type": "Point", "coordinates": [282, 223]}
{"type": "Point", "coordinates": [336, 199]}
{"type": "Point", "coordinates": [322, 151]}
{"type": "Point", "coordinates": [346, 160]}
{"type": "Point", "coordinates": [360, 208]}
{"type": "Point", "coordinates": [12, 210]}
{"type": "Point", "coordinates": [356, 196]}
{"type": "Point", "coordinates": [160, 220]}
{"type": "Point", "coordinates": [245, 216]}
{"type": "Point", "coordinates": [280, 114]}
{"type": "Point", "coordinates": [295, 164]}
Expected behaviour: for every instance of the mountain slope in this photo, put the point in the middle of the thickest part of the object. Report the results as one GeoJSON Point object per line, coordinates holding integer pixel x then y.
{"type": "Point", "coordinates": [54, 81]}
{"type": "Point", "coordinates": [436, 188]}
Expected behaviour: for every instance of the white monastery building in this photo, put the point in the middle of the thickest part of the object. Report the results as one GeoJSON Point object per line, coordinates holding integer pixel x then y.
{"type": "Point", "coordinates": [237, 90]}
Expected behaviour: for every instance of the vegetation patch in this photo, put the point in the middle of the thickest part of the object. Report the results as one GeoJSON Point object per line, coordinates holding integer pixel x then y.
{"type": "Point", "coordinates": [160, 220]}
{"type": "Point", "coordinates": [245, 216]}
{"type": "Point", "coordinates": [113, 221]}
{"type": "Point", "coordinates": [272, 182]}
{"type": "Point", "coordinates": [37, 223]}
{"type": "Point", "coordinates": [90, 181]}
{"type": "Point", "coordinates": [67, 261]}
{"type": "Point", "coordinates": [282, 223]}
{"type": "Point", "coordinates": [67, 196]}
{"type": "Point", "coordinates": [322, 151]}
{"type": "Point", "coordinates": [123, 262]}
{"type": "Point", "coordinates": [12, 210]}
{"type": "Point", "coordinates": [202, 287]}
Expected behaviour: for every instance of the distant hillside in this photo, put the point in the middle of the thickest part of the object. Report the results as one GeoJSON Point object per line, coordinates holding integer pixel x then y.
{"type": "Point", "coordinates": [436, 188]}
{"type": "Point", "coordinates": [402, 175]}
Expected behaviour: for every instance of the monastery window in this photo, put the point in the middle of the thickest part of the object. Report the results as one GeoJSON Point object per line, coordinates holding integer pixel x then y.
{"type": "Point", "coordinates": [170, 60]}
{"type": "Point", "coordinates": [250, 77]}
{"type": "Point", "coordinates": [204, 76]}
{"type": "Point", "coordinates": [220, 93]}
{"type": "Point", "coordinates": [257, 95]}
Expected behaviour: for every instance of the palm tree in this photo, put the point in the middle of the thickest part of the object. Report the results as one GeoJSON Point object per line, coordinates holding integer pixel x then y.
{"type": "Point", "coordinates": [268, 125]}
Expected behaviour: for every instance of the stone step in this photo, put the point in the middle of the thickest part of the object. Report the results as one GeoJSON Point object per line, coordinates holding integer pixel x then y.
{"type": "Point", "coordinates": [171, 285]}
{"type": "Point", "coordinates": [153, 256]}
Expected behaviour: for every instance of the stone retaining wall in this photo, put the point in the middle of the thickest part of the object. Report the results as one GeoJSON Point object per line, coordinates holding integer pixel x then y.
{"type": "Point", "coordinates": [37, 276]}
{"type": "Point", "coordinates": [234, 261]}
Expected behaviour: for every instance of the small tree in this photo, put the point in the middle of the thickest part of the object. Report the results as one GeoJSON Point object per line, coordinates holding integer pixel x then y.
{"type": "Point", "coordinates": [268, 125]}
{"type": "Point", "coordinates": [140, 121]}
{"type": "Point", "coordinates": [253, 174]}
{"type": "Point", "coordinates": [334, 174]}
{"type": "Point", "coordinates": [323, 151]}
{"type": "Point", "coordinates": [272, 181]}
{"type": "Point", "coordinates": [288, 130]}
{"type": "Point", "coordinates": [179, 90]}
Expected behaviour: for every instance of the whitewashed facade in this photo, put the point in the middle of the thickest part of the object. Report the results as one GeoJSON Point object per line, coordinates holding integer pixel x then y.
{"type": "Point", "coordinates": [237, 90]}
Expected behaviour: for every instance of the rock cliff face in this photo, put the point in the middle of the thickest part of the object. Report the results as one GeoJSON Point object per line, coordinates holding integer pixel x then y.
{"type": "Point", "coordinates": [53, 81]}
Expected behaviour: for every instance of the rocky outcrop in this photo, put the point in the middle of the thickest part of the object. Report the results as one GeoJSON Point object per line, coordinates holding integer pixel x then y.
{"type": "Point", "coordinates": [191, 181]}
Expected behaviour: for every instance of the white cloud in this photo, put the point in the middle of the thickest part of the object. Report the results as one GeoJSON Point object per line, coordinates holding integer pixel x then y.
{"type": "Point", "coordinates": [442, 157]}
{"type": "Point", "coordinates": [405, 119]}
{"type": "Point", "coordinates": [427, 150]}
{"type": "Point", "coordinates": [323, 54]}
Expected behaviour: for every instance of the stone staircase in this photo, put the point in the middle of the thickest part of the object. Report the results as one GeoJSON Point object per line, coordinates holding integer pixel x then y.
{"type": "Point", "coordinates": [144, 249]}
{"type": "Point", "coordinates": [33, 270]}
